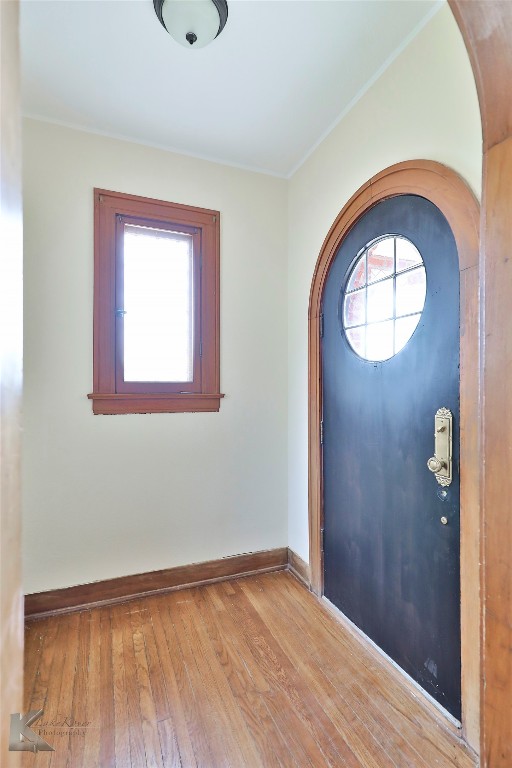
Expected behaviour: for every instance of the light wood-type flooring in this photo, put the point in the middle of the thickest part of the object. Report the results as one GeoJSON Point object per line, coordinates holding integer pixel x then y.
{"type": "Point", "coordinates": [248, 673]}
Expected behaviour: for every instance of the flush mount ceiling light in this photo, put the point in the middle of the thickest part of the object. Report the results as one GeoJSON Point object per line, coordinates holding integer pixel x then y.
{"type": "Point", "coordinates": [192, 23]}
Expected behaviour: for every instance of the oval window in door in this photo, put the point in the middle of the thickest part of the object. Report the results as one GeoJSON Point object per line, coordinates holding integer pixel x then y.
{"type": "Point", "coordinates": [383, 297]}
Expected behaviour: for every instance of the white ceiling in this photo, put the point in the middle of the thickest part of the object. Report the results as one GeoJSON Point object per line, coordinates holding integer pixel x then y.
{"type": "Point", "coordinates": [261, 96]}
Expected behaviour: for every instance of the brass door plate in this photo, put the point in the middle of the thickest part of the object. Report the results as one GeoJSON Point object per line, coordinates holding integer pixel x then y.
{"type": "Point", "coordinates": [441, 462]}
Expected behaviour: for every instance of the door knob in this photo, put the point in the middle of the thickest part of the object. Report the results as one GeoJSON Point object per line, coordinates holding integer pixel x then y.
{"type": "Point", "coordinates": [435, 464]}
{"type": "Point", "coordinates": [441, 462]}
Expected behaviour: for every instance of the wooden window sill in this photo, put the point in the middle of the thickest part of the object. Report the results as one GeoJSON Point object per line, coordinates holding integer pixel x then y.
{"type": "Point", "coordinates": [115, 403]}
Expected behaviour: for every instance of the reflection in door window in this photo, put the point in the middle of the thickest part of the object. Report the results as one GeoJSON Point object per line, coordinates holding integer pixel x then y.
{"type": "Point", "coordinates": [384, 297]}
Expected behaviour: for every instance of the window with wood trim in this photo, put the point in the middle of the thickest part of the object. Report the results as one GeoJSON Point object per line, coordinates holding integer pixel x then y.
{"type": "Point", "coordinates": [156, 306]}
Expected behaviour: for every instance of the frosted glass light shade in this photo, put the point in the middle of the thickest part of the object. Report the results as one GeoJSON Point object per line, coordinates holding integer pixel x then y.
{"type": "Point", "coordinates": [192, 23]}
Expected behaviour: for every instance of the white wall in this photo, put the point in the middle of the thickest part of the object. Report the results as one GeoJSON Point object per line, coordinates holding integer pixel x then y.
{"type": "Point", "coordinates": [112, 495]}
{"type": "Point", "coordinates": [108, 496]}
{"type": "Point", "coordinates": [423, 106]}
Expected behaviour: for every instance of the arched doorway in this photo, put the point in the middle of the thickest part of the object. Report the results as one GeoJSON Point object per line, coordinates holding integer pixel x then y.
{"type": "Point", "coordinates": [487, 31]}
{"type": "Point", "coordinates": [453, 197]}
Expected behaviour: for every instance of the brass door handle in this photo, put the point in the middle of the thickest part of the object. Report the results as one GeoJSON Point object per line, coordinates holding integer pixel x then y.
{"type": "Point", "coordinates": [435, 464]}
{"type": "Point", "coordinates": [441, 462]}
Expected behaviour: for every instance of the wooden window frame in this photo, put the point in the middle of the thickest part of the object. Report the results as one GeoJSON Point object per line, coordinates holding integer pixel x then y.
{"type": "Point", "coordinates": [110, 395]}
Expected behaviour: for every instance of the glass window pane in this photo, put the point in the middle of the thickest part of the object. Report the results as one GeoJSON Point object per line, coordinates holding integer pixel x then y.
{"type": "Point", "coordinates": [407, 255]}
{"type": "Point", "coordinates": [410, 291]}
{"type": "Point", "coordinates": [404, 329]}
{"type": "Point", "coordinates": [381, 259]}
{"type": "Point", "coordinates": [357, 340]}
{"type": "Point", "coordinates": [158, 301]}
{"type": "Point", "coordinates": [379, 341]}
{"type": "Point", "coordinates": [354, 308]}
{"type": "Point", "coordinates": [380, 301]}
{"type": "Point", "coordinates": [358, 276]}
{"type": "Point", "coordinates": [396, 288]}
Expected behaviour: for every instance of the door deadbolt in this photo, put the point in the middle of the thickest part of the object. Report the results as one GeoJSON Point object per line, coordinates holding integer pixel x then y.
{"type": "Point", "coordinates": [441, 462]}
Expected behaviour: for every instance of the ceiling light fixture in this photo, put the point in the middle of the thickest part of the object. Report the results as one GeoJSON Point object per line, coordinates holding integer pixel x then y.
{"type": "Point", "coordinates": [192, 22]}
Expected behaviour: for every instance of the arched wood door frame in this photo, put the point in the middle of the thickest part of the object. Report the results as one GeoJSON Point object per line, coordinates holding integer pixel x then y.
{"type": "Point", "coordinates": [452, 196]}
{"type": "Point", "coordinates": [486, 27]}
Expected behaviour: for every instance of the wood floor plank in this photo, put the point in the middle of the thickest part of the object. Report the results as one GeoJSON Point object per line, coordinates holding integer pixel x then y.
{"type": "Point", "coordinates": [317, 744]}
{"type": "Point", "coordinates": [107, 740]}
{"type": "Point", "coordinates": [121, 712]}
{"type": "Point", "coordinates": [59, 703]}
{"type": "Point", "coordinates": [338, 671]}
{"type": "Point", "coordinates": [179, 696]}
{"type": "Point", "coordinates": [166, 730]}
{"type": "Point", "coordinates": [136, 736]}
{"type": "Point", "coordinates": [337, 699]}
{"type": "Point", "coordinates": [248, 673]}
{"type": "Point", "coordinates": [337, 678]}
{"type": "Point", "coordinates": [156, 674]}
{"type": "Point", "coordinates": [146, 702]}
{"type": "Point", "coordinates": [436, 742]}
{"type": "Point", "coordinates": [286, 720]}
{"type": "Point", "coordinates": [227, 707]}
{"type": "Point", "coordinates": [169, 745]}
{"type": "Point", "coordinates": [370, 705]}
{"type": "Point", "coordinates": [187, 717]}
{"type": "Point", "coordinates": [80, 688]}
{"type": "Point", "coordinates": [37, 689]}
{"type": "Point", "coordinates": [281, 719]}
{"type": "Point", "coordinates": [299, 686]}
{"type": "Point", "coordinates": [195, 655]}
{"type": "Point", "coordinates": [62, 749]}
{"type": "Point", "coordinates": [34, 642]}
{"type": "Point", "coordinates": [93, 732]}
{"type": "Point", "coordinates": [405, 708]}
{"type": "Point", "coordinates": [266, 736]}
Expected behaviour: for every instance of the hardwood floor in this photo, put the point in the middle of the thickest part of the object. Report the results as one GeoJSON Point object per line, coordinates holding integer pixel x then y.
{"type": "Point", "coordinates": [253, 672]}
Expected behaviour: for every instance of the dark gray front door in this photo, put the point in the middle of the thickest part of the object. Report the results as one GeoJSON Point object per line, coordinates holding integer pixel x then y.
{"type": "Point", "coordinates": [391, 540]}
